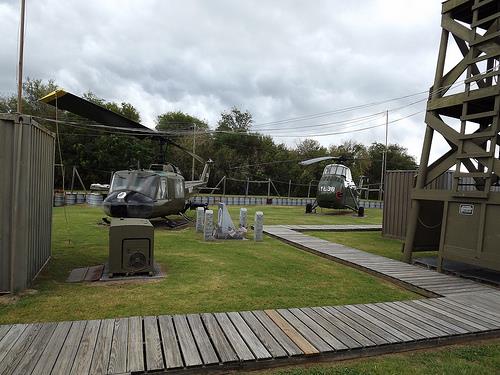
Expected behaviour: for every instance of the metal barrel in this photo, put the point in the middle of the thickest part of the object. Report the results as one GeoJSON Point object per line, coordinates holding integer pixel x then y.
{"type": "Point", "coordinates": [58, 199]}
{"type": "Point", "coordinates": [70, 199]}
{"type": "Point", "coordinates": [94, 199]}
{"type": "Point", "coordinates": [80, 198]}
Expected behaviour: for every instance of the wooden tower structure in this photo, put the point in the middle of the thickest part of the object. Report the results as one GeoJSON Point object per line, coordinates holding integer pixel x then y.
{"type": "Point", "coordinates": [463, 108]}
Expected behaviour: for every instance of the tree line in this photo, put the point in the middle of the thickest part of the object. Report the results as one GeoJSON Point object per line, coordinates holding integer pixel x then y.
{"type": "Point", "coordinates": [238, 152]}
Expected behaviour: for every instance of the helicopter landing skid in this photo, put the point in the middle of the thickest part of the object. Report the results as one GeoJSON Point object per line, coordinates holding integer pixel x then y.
{"type": "Point", "coordinates": [185, 217]}
{"type": "Point", "coordinates": [175, 223]}
{"type": "Point", "coordinates": [311, 207]}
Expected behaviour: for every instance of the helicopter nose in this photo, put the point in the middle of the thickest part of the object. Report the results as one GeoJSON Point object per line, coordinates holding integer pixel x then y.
{"type": "Point", "coordinates": [128, 204]}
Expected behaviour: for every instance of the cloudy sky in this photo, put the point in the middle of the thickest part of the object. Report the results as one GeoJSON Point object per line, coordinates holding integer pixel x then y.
{"type": "Point", "coordinates": [277, 59]}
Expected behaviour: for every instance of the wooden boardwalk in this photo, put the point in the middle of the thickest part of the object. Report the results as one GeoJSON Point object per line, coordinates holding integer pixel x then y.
{"type": "Point", "coordinates": [424, 281]}
{"type": "Point", "coordinates": [220, 342]}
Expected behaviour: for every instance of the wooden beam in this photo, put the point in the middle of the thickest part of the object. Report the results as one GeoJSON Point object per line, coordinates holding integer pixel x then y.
{"type": "Point", "coordinates": [440, 166]}
{"type": "Point", "coordinates": [456, 28]}
{"type": "Point", "coordinates": [452, 4]}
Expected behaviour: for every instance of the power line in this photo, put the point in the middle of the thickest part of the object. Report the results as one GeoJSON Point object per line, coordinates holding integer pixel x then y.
{"type": "Point", "coordinates": [274, 131]}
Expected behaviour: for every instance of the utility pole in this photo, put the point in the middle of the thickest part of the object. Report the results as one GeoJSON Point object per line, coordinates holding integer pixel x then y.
{"type": "Point", "coordinates": [21, 56]}
{"type": "Point", "coordinates": [194, 151]}
{"type": "Point", "coordinates": [384, 157]}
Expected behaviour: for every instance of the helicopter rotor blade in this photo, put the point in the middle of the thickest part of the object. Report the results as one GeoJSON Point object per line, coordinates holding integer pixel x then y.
{"type": "Point", "coordinates": [317, 160]}
{"type": "Point", "coordinates": [193, 155]}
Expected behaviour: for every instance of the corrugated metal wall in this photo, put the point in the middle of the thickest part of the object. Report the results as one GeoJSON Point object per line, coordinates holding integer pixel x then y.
{"type": "Point", "coordinates": [397, 199]}
{"type": "Point", "coordinates": [26, 183]}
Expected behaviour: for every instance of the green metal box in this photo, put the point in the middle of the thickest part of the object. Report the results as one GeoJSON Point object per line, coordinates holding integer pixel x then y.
{"type": "Point", "coordinates": [131, 245]}
{"type": "Point", "coordinates": [470, 233]}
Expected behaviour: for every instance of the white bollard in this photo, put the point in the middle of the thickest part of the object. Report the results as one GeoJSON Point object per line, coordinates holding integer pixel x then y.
{"type": "Point", "coordinates": [208, 227]}
{"type": "Point", "coordinates": [200, 219]}
{"type": "Point", "coordinates": [258, 232]}
{"type": "Point", "coordinates": [243, 217]}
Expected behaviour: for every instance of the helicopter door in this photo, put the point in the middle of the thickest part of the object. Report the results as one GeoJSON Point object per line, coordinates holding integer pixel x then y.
{"type": "Point", "coordinates": [162, 190]}
{"type": "Point", "coordinates": [179, 188]}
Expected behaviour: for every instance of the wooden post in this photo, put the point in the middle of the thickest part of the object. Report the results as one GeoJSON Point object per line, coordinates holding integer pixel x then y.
{"type": "Point", "coordinates": [200, 218]}
{"type": "Point", "coordinates": [224, 186]}
{"type": "Point", "coordinates": [258, 232]}
{"type": "Point", "coordinates": [268, 187]}
{"type": "Point", "coordinates": [289, 187]}
{"type": "Point", "coordinates": [426, 149]}
{"type": "Point", "coordinates": [246, 191]}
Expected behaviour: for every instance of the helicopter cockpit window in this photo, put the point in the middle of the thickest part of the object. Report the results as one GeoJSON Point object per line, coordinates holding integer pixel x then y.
{"type": "Point", "coordinates": [162, 189]}
{"type": "Point", "coordinates": [348, 175]}
{"type": "Point", "coordinates": [336, 170]}
{"type": "Point", "coordinates": [146, 184]}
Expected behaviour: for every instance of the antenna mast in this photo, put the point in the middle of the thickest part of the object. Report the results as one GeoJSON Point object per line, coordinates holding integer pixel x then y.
{"type": "Point", "coordinates": [21, 55]}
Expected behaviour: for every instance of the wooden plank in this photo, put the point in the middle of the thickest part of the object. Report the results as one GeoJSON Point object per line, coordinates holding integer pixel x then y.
{"type": "Point", "coordinates": [379, 323]}
{"type": "Point", "coordinates": [394, 318]}
{"type": "Point", "coordinates": [83, 357]}
{"type": "Point", "coordinates": [12, 358]}
{"type": "Point", "coordinates": [342, 326]}
{"type": "Point", "coordinates": [347, 340]}
{"type": "Point", "coordinates": [490, 321]}
{"type": "Point", "coordinates": [207, 352]}
{"type": "Point", "coordinates": [416, 318]}
{"type": "Point", "coordinates": [222, 346]}
{"type": "Point", "coordinates": [239, 346]}
{"type": "Point", "coordinates": [264, 336]}
{"type": "Point", "coordinates": [10, 339]}
{"type": "Point", "coordinates": [253, 342]}
{"type": "Point", "coordinates": [477, 301]}
{"type": "Point", "coordinates": [369, 323]}
{"type": "Point", "coordinates": [391, 321]}
{"type": "Point", "coordinates": [119, 344]}
{"type": "Point", "coordinates": [305, 331]}
{"type": "Point", "coordinates": [52, 349]}
{"type": "Point", "coordinates": [486, 313]}
{"type": "Point", "coordinates": [102, 351]}
{"type": "Point", "coordinates": [35, 350]}
{"type": "Point", "coordinates": [3, 330]}
{"type": "Point", "coordinates": [173, 358]}
{"type": "Point", "coordinates": [292, 333]}
{"type": "Point", "coordinates": [351, 320]}
{"type": "Point", "coordinates": [285, 342]}
{"type": "Point", "coordinates": [67, 354]}
{"type": "Point", "coordinates": [450, 328]}
{"type": "Point", "coordinates": [453, 318]}
{"type": "Point", "coordinates": [319, 330]}
{"type": "Point", "coordinates": [135, 347]}
{"type": "Point", "coordinates": [154, 356]}
{"type": "Point", "coordinates": [186, 341]}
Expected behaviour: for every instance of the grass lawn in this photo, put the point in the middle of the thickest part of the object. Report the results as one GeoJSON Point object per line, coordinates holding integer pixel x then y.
{"type": "Point", "coordinates": [372, 242]}
{"type": "Point", "coordinates": [480, 358]}
{"type": "Point", "coordinates": [201, 276]}
{"type": "Point", "coordinates": [296, 215]}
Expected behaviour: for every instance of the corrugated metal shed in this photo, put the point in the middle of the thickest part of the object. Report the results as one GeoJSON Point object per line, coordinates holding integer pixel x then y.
{"type": "Point", "coordinates": [397, 200]}
{"type": "Point", "coordinates": [26, 183]}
